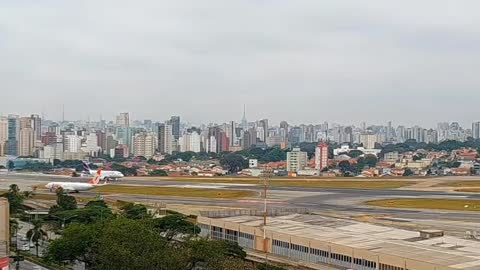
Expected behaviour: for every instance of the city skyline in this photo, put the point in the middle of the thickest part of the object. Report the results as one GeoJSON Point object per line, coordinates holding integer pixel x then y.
{"type": "Point", "coordinates": [297, 61]}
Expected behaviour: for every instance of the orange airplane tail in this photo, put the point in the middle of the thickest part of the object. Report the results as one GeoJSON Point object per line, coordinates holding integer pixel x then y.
{"type": "Point", "coordinates": [96, 179]}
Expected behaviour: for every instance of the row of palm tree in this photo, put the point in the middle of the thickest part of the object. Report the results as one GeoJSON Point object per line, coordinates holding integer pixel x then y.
{"type": "Point", "coordinates": [36, 234]}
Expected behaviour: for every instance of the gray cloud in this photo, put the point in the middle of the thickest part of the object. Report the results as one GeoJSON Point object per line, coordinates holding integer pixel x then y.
{"type": "Point", "coordinates": [298, 60]}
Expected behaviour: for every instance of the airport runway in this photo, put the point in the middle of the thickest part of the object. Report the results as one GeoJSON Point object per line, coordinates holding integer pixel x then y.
{"type": "Point", "coordinates": [344, 202]}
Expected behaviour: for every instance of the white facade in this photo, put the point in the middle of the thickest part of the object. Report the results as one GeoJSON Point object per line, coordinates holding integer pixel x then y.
{"type": "Point", "coordinates": [73, 143]}
{"type": "Point", "coordinates": [123, 120]}
{"type": "Point", "coordinates": [368, 140]}
{"type": "Point", "coordinates": [52, 152]}
{"type": "Point", "coordinates": [296, 160]}
{"type": "Point", "coordinates": [190, 142]}
{"type": "Point", "coordinates": [26, 142]}
{"type": "Point", "coordinates": [144, 145]}
{"type": "Point", "coordinates": [168, 139]}
{"type": "Point", "coordinates": [3, 134]}
{"type": "Point", "coordinates": [92, 144]}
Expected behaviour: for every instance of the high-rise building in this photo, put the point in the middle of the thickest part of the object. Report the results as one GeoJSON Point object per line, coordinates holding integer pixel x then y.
{"type": "Point", "coordinates": [3, 135]}
{"type": "Point", "coordinates": [175, 123]}
{"type": "Point", "coordinates": [476, 130]}
{"type": "Point", "coordinates": [26, 142]}
{"type": "Point", "coordinates": [368, 140]}
{"type": "Point", "coordinates": [144, 145]}
{"type": "Point", "coordinates": [263, 125]}
{"type": "Point", "coordinates": [102, 140]}
{"type": "Point", "coordinates": [37, 126]}
{"type": "Point", "coordinates": [249, 138]}
{"type": "Point", "coordinates": [190, 142]}
{"type": "Point", "coordinates": [123, 120]}
{"type": "Point", "coordinates": [165, 138]}
{"type": "Point", "coordinates": [13, 135]}
{"type": "Point", "coordinates": [321, 156]}
{"type": "Point", "coordinates": [72, 143]}
{"type": "Point", "coordinates": [121, 151]}
{"type": "Point", "coordinates": [244, 119]}
{"type": "Point", "coordinates": [296, 160]}
{"type": "Point", "coordinates": [49, 138]}
{"type": "Point", "coordinates": [217, 140]}
{"type": "Point", "coordinates": [92, 144]}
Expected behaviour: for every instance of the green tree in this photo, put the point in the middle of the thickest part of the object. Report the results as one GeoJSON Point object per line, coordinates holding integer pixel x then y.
{"type": "Point", "coordinates": [345, 166]}
{"type": "Point", "coordinates": [15, 198]}
{"type": "Point", "coordinates": [408, 172]}
{"type": "Point", "coordinates": [37, 234]}
{"type": "Point", "coordinates": [158, 173]}
{"type": "Point", "coordinates": [233, 162]}
{"type": "Point", "coordinates": [213, 254]}
{"type": "Point", "coordinates": [14, 227]}
{"type": "Point", "coordinates": [79, 242]}
{"type": "Point", "coordinates": [135, 211]}
{"type": "Point", "coordinates": [355, 153]}
{"type": "Point", "coordinates": [371, 161]}
{"type": "Point", "coordinates": [175, 225]}
{"type": "Point", "coordinates": [65, 201]}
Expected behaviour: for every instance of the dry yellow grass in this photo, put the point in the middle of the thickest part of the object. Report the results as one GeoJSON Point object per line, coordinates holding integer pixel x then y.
{"type": "Point", "coordinates": [53, 197]}
{"type": "Point", "coordinates": [175, 192]}
{"type": "Point", "coordinates": [460, 184]}
{"type": "Point", "coordinates": [315, 182]}
{"type": "Point", "coordinates": [473, 190]}
{"type": "Point", "coordinates": [434, 204]}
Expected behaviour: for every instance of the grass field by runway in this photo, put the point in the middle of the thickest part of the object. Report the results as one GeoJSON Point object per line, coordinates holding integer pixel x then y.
{"type": "Point", "coordinates": [472, 190]}
{"type": "Point", "coordinates": [462, 184]}
{"type": "Point", "coordinates": [433, 204]}
{"type": "Point", "coordinates": [53, 197]}
{"type": "Point", "coordinates": [175, 192]}
{"type": "Point", "coordinates": [312, 183]}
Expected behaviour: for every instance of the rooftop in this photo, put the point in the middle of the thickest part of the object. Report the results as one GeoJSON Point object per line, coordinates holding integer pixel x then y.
{"type": "Point", "coordinates": [446, 251]}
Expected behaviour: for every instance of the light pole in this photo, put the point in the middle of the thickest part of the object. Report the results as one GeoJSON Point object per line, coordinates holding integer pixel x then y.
{"type": "Point", "coordinates": [266, 175]}
{"type": "Point", "coordinates": [64, 219]}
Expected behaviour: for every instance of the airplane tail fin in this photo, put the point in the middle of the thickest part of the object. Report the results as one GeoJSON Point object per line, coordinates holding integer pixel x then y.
{"type": "Point", "coordinates": [86, 167]}
{"type": "Point", "coordinates": [96, 179]}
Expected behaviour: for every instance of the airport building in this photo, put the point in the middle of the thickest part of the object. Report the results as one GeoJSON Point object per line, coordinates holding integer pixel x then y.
{"type": "Point", "coordinates": [318, 242]}
{"type": "Point", "coordinates": [4, 233]}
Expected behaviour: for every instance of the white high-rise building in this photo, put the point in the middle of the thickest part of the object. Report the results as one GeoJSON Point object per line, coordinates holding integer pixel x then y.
{"type": "Point", "coordinates": [3, 135]}
{"type": "Point", "coordinates": [368, 140]}
{"type": "Point", "coordinates": [296, 160]}
{"type": "Point", "coordinates": [26, 142]}
{"type": "Point", "coordinates": [476, 130]}
{"type": "Point", "coordinates": [144, 145]}
{"type": "Point", "coordinates": [72, 143]}
{"type": "Point", "coordinates": [123, 120]}
{"type": "Point", "coordinates": [190, 142]}
{"type": "Point", "coordinates": [52, 152]}
{"type": "Point", "coordinates": [92, 144]}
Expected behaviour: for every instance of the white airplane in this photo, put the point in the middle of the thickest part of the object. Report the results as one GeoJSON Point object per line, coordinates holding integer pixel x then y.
{"type": "Point", "coordinates": [106, 175]}
{"type": "Point", "coordinates": [69, 187]}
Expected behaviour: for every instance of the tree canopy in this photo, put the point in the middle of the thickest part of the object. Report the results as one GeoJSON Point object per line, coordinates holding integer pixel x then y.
{"type": "Point", "coordinates": [233, 162]}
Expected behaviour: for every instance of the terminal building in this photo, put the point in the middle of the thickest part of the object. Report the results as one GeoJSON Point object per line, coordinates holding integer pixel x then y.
{"type": "Point", "coordinates": [318, 242]}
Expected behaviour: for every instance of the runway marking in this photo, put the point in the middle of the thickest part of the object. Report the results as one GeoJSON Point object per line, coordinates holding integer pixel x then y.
{"type": "Point", "coordinates": [260, 201]}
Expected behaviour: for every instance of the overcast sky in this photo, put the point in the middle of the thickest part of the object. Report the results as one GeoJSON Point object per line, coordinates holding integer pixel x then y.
{"type": "Point", "coordinates": [344, 61]}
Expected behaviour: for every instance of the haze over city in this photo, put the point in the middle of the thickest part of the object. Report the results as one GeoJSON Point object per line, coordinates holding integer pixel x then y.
{"type": "Point", "coordinates": [301, 61]}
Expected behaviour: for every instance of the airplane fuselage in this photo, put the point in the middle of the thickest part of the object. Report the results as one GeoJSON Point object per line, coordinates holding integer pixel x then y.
{"type": "Point", "coordinates": [70, 186]}
{"type": "Point", "coordinates": [108, 174]}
